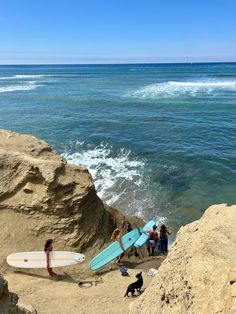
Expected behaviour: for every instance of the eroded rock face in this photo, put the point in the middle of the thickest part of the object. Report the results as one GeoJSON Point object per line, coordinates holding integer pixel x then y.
{"type": "Point", "coordinates": [198, 275]}
{"type": "Point", "coordinates": [62, 197]}
{"type": "Point", "coordinates": [9, 300]}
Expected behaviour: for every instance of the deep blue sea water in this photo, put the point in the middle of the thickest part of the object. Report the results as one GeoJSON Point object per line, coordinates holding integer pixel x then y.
{"type": "Point", "coordinates": [159, 139]}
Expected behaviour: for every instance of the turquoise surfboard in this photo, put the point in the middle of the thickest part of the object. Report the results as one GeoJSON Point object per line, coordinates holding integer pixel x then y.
{"type": "Point", "coordinates": [114, 249]}
{"type": "Point", "coordinates": [144, 237]}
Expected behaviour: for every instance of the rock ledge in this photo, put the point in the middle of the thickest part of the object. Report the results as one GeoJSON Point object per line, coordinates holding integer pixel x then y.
{"type": "Point", "coordinates": [199, 275]}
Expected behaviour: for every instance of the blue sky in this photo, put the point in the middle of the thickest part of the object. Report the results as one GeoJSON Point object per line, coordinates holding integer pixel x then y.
{"type": "Point", "coordinates": [114, 31]}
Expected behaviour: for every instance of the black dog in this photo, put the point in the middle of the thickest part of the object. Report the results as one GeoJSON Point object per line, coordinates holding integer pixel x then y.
{"type": "Point", "coordinates": [135, 285]}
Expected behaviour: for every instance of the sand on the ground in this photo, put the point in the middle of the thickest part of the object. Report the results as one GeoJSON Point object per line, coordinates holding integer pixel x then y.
{"type": "Point", "coordinates": [103, 291]}
{"type": "Point", "coordinates": [35, 287]}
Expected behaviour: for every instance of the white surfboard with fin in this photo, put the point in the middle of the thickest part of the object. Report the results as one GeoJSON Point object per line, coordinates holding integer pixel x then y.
{"type": "Point", "coordinates": [38, 259]}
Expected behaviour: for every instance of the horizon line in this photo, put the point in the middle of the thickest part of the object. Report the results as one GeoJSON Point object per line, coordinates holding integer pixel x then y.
{"type": "Point", "coordinates": [115, 63]}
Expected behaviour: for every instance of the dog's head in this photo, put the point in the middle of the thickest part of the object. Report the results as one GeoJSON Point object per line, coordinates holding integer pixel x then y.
{"type": "Point", "coordinates": [139, 275]}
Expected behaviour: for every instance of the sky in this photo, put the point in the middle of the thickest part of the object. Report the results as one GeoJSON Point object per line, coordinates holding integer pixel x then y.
{"type": "Point", "coordinates": [117, 31]}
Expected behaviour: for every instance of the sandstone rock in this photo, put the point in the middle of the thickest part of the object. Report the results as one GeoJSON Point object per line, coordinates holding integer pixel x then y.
{"type": "Point", "coordinates": [3, 287]}
{"type": "Point", "coordinates": [232, 275]}
{"type": "Point", "coordinates": [232, 310]}
{"type": "Point", "coordinates": [58, 198]}
{"type": "Point", "coordinates": [27, 309]}
{"type": "Point", "coordinates": [8, 301]}
{"type": "Point", "coordinates": [193, 279]}
{"type": "Point", "coordinates": [233, 290]}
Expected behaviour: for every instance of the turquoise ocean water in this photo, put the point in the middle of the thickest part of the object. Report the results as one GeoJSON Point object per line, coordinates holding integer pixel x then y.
{"type": "Point", "coordinates": [159, 139]}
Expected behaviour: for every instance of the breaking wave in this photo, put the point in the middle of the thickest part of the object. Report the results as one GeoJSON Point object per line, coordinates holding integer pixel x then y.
{"type": "Point", "coordinates": [119, 178]}
{"type": "Point", "coordinates": [25, 76]}
{"type": "Point", "coordinates": [32, 76]}
{"type": "Point", "coordinates": [173, 88]}
{"type": "Point", "coordinates": [14, 88]}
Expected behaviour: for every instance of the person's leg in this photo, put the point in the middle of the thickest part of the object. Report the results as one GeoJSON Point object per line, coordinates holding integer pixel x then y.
{"type": "Point", "coordinates": [50, 271]}
{"type": "Point", "coordinates": [119, 258]}
{"type": "Point", "coordinates": [149, 247]}
{"type": "Point", "coordinates": [166, 244]}
{"type": "Point", "coordinates": [152, 245]}
{"type": "Point", "coordinates": [54, 274]}
{"type": "Point", "coordinates": [162, 245]}
{"type": "Point", "coordinates": [136, 254]}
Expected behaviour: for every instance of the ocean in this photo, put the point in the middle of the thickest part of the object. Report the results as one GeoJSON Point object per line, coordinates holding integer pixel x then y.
{"type": "Point", "coordinates": [159, 139]}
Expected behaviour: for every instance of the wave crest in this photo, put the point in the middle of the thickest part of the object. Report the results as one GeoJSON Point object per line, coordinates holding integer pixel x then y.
{"type": "Point", "coordinates": [25, 76]}
{"type": "Point", "coordinates": [174, 88]}
{"type": "Point", "coordinates": [118, 177]}
{"type": "Point", "coordinates": [14, 88]}
{"type": "Point", "coordinates": [31, 75]}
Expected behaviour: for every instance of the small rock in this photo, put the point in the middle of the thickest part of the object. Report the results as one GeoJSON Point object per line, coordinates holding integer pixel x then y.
{"type": "Point", "coordinates": [27, 309]}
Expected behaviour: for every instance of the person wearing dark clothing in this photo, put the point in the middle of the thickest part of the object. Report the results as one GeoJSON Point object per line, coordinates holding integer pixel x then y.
{"type": "Point", "coordinates": [164, 239]}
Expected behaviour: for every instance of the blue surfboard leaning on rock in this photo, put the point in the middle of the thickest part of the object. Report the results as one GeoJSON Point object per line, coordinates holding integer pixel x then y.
{"type": "Point", "coordinates": [144, 237]}
{"type": "Point", "coordinates": [114, 249]}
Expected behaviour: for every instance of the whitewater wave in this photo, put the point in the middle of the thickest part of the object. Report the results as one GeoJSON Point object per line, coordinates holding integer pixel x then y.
{"type": "Point", "coordinates": [173, 88]}
{"type": "Point", "coordinates": [119, 178]}
{"type": "Point", "coordinates": [32, 75]}
{"type": "Point", "coordinates": [14, 88]}
{"type": "Point", "coordinates": [25, 76]}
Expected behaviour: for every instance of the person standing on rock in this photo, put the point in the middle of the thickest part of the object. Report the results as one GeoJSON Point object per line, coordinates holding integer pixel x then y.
{"type": "Point", "coordinates": [116, 237]}
{"type": "Point", "coordinates": [164, 238]}
{"type": "Point", "coordinates": [47, 249]}
{"type": "Point", "coordinates": [152, 241]}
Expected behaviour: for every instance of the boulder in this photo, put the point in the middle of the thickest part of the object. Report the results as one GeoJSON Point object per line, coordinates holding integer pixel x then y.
{"type": "Point", "coordinates": [42, 196]}
{"type": "Point", "coordinates": [198, 275]}
{"type": "Point", "coordinates": [8, 301]}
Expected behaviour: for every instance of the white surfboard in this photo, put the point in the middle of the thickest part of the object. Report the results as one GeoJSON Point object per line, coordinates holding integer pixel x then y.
{"type": "Point", "coordinates": [38, 259]}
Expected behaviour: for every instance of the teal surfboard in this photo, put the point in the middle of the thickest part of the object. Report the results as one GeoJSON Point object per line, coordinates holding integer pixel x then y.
{"type": "Point", "coordinates": [114, 249]}
{"type": "Point", "coordinates": [144, 237]}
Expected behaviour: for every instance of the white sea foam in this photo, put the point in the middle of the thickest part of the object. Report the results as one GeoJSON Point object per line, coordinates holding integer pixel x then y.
{"type": "Point", "coordinates": [172, 88]}
{"type": "Point", "coordinates": [6, 77]}
{"type": "Point", "coordinates": [25, 76]}
{"type": "Point", "coordinates": [205, 84]}
{"type": "Point", "coordinates": [13, 88]}
{"type": "Point", "coordinates": [32, 76]}
{"type": "Point", "coordinates": [119, 179]}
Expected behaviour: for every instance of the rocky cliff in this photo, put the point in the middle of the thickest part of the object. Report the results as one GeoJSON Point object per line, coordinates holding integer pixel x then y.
{"type": "Point", "coordinates": [198, 276]}
{"type": "Point", "coordinates": [9, 301]}
{"type": "Point", "coordinates": [42, 196]}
